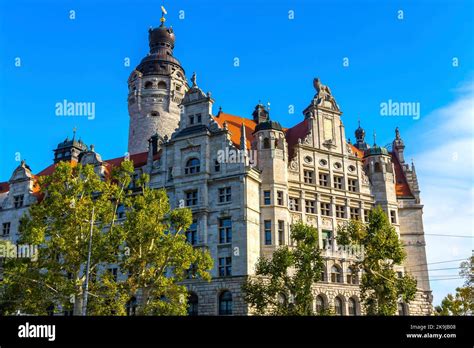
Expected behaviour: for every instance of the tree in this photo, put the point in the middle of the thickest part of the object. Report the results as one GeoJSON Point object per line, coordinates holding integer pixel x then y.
{"type": "Point", "coordinates": [462, 303]}
{"type": "Point", "coordinates": [381, 288]}
{"type": "Point", "coordinates": [80, 204]}
{"type": "Point", "coordinates": [283, 284]}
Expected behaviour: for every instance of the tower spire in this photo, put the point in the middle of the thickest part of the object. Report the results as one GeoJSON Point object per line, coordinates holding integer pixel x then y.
{"type": "Point", "coordinates": [375, 137]}
{"type": "Point", "coordinates": [243, 138]}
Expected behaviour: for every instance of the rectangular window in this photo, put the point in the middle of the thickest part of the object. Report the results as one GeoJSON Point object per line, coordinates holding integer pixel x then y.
{"type": "Point", "coordinates": [191, 198]}
{"type": "Point", "coordinates": [266, 198]}
{"type": "Point", "coordinates": [170, 173]}
{"type": "Point", "coordinates": [6, 228]}
{"type": "Point", "coordinates": [280, 198]}
{"type": "Point", "coordinates": [366, 215]}
{"type": "Point", "coordinates": [113, 272]}
{"type": "Point", "coordinates": [310, 206]}
{"type": "Point", "coordinates": [325, 209]}
{"type": "Point", "coordinates": [191, 233]}
{"type": "Point", "coordinates": [18, 201]}
{"type": "Point", "coordinates": [294, 204]}
{"type": "Point", "coordinates": [338, 182]}
{"type": "Point", "coordinates": [225, 230]}
{"type": "Point", "coordinates": [268, 232]}
{"type": "Point", "coordinates": [281, 232]}
{"type": "Point", "coordinates": [327, 238]}
{"type": "Point", "coordinates": [225, 266]}
{"type": "Point", "coordinates": [340, 211]}
{"type": "Point", "coordinates": [308, 176]}
{"type": "Point", "coordinates": [393, 216]}
{"type": "Point", "coordinates": [225, 194]}
{"type": "Point", "coordinates": [323, 179]}
{"type": "Point", "coordinates": [352, 185]}
{"type": "Point", "coordinates": [199, 118]}
{"type": "Point", "coordinates": [191, 119]}
{"type": "Point", "coordinates": [217, 166]}
{"type": "Point", "coordinates": [355, 213]}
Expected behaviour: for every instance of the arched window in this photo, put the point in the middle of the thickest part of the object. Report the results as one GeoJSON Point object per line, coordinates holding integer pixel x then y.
{"type": "Point", "coordinates": [377, 167]}
{"type": "Point", "coordinates": [161, 85]}
{"type": "Point", "coordinates": [148, 85]}
{"type": "Point", "coordinates": [131, 306]}
{"type": "Point", "coordinates": [352, 306]}
{"type": "Point", "coordinates": [351, 276]}
{"type": "Point", "coordinates": [193, 304]}
{"type": "Point", "coordinates": [338, 306]}
{"type": "Point", "coordinates": [266, 143]}
{"type": "Point", "coordinates": [154, 114]}
{"type": "Point", "coordinates": [336, 274]}
{"type": "Point", "coordinates": [225, 303]}
{"type": "Point", "coordinates": [192, 166]}
{"type": "Point", "coordinates": [320, 305]}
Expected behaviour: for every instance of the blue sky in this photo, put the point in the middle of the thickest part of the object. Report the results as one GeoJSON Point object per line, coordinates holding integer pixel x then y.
{"type": "Point", "coordinates": [408, 60]}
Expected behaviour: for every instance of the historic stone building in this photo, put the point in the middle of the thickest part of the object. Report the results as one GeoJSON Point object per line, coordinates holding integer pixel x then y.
{"type": "Point", "coordinates": [248, 179]}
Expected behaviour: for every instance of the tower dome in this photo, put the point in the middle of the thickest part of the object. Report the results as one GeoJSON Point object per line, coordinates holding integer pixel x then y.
{"type": "Point", "coordinates": [360, 133]}
{"type": "Point", "coordinates": [156, 89]}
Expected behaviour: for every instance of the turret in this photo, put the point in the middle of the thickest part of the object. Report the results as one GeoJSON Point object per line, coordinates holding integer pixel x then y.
{"type": "Point", "coordinates": [69, 149]}
{"type": "Point", "coordinates": [156, 89]}
{"type": "Point", "coordinates": [379, 167]}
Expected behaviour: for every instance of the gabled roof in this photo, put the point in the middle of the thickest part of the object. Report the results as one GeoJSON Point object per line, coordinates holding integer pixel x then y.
{"type": "Point", "coordinates": [402, 188]}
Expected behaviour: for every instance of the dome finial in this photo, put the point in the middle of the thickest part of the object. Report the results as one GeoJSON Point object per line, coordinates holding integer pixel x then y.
{"type": "Point", "coordinates": [163, 13]}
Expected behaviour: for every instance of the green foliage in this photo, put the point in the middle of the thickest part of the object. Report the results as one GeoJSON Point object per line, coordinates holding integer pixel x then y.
{"type": "Point", "coordinates": [462, 303]}
{"type": "Point", "coordinates": [381, 288]}
{"type": "Point", "coordinates": [282, 285]}
{"type": "Point", "coordinates": [149, 245]}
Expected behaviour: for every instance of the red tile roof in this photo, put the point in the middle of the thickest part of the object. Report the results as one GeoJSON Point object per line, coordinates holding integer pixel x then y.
{"type": "Point", "coordinates": [358, 153]}
{"type": "Point", "coordinates": [4, 187]}
{"type": "Point", "coordinates": [234, 124]}
{"type": "Point", "coordinates": [402, 189]}
{"type": "Point", "coordinates": [294, 133]}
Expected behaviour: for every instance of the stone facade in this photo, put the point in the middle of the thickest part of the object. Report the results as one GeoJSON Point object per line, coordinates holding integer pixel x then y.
{"type": "Point", "coordinates": [248, 179]}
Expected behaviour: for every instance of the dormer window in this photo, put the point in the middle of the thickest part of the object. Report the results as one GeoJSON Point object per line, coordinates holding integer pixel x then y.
{"type": "Point", "coordinates": [193, 166]}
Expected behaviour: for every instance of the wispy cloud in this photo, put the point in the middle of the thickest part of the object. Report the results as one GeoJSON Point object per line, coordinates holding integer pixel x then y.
{"type": "Point", "coordinates": [445, 170]}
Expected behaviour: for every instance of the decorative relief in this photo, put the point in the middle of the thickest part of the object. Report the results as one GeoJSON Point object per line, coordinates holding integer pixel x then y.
{"type": "Point", "coordinates": [294, 165]}
{"type": "Point", "coordinates": [311, 220]}
{"type": "Point", "coordinates": [295, 218]}
{"type": "Point", "coordinates": [326, 222]}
